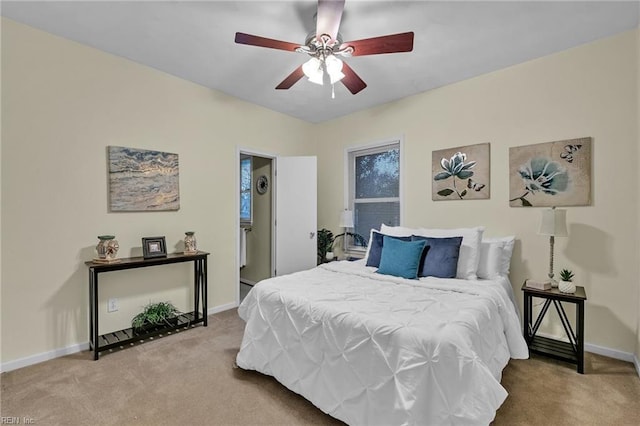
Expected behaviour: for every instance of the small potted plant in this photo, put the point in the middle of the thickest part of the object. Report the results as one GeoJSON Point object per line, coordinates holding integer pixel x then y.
{"type": "Point", "coordinates": [154, 315]}
{"type": "Point", "coordinates": [566, 285]}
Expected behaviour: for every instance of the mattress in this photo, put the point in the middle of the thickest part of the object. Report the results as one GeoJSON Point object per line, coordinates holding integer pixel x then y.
{"type": "Point", "coordinates": [373, 349]}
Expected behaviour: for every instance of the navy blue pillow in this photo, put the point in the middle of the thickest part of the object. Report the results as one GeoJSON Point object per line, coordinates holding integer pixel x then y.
{"type": "Point", "coordinates": [375, 247]}
{"type": "Point", "coordinates": [401, 258]}
{"type": "Point", "coordinates": [441, 260]}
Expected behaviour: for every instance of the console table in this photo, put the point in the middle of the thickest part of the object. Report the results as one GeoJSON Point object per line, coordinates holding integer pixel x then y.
{"type": "Point", "coordinates": [572, 351]}
{"type": "Point", "coordinates": [118, 338]}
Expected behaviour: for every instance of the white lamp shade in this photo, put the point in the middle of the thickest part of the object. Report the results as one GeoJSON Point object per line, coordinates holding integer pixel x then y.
{"type": "Point", "coordinates": [346, 219]}
{"type": "Point", "coordinates": [554, 222]}
{"type": "Point", "coordinates": [334, 69]}
{"type": "Point", "coordinates": [333, 64]}
{"type": "Point", "coordinates": [313, 70]}
{"type": "Point", "coordinates": [336, 77]}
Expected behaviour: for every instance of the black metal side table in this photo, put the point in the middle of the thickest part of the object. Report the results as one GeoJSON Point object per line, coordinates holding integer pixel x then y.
{"type": "Point", "coordinates": [118, 338]}
{"type": "Point", "coordinates": [572, 351]}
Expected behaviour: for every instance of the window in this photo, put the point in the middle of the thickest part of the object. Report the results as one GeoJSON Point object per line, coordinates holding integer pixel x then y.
{"type": "Point", "coordinates": [246, 216]}
{"type": "Point", "coordinates": [374, 188]}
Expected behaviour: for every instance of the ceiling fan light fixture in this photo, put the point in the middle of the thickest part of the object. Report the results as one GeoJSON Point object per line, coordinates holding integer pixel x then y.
{"type": "Point", "coordinates": [334, 68]}
{"type": "Point", "coordinates": [313, 70]}
{"type": "Point", "coordinates": [317, 79]}
{"type": "Point", "coordinates": [336, 77]}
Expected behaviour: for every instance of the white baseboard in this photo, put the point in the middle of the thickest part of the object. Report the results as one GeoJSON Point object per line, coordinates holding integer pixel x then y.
{"type": "Point", "coordinates": [44, 356]}
{"type": "Point", "coordinates": [56, 353]}
{"type": "Point", "coordinates": [611, 353]}
{"type": "Point", "coordinates": [601, 350]}
{"type": "Point", "coordinates": [221, 308]}
{"type": "Point", "coordinates": [248, 282]}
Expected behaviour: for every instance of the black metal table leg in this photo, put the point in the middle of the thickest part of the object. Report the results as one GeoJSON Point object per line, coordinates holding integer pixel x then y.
{"type": "Point", "coordinates": [91, 341]}
{"type": "Point", "coordinates": [94, 317]}
{"type": "Point", "coordinates": [204, 284]}
{"type": "Point", "coordinates": [527, 318]}
{"type": "Point", "coordinates": [580, 336]}
{"type": "Point", "coordinates": [196, 288]}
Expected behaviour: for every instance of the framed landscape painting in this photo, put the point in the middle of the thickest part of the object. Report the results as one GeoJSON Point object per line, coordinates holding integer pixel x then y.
{"type": "Point", "coordinates": [551, 174]}
{"type": "Point", "coordinates": [143, 180]}
{"type": "Point", "coordinates": [460, 173]}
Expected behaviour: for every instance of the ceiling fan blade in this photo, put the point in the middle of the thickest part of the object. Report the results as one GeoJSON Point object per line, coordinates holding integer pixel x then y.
{"type": "Point", "coordinates": [353, 82]}
{"type": "Point", "coordinates": [393, 43]}
{"type": "Point", "coordinates": [252, 40]}
{"type": "Point", "coordinates": [329, 17]}
{"type": "Point", "coordinates": [291, 79]}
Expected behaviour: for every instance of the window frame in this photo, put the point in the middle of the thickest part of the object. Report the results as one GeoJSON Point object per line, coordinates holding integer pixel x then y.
{"type": "Point", "coordinates": [350, 154]}
{"type": "Point", "coordinates": [245, 221]}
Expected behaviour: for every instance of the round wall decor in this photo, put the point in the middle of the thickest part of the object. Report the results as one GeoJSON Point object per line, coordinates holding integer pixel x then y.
{"type": "Point", "coordinates": [262, 184]}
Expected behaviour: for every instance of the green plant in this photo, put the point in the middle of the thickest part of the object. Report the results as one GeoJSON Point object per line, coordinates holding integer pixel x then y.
{"type": "Point", "coordinates": [357, 238]}
{"type": "Point", "coordinates": [155, 314]}
{"type": "Point", "coordinates": [566, 275]}
{"type": "Point", "coordinates": [325, 243]}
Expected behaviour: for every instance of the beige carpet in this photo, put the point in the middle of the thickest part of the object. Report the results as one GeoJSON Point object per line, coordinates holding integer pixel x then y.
{"type": "Point", "coordinates": [188, 379]}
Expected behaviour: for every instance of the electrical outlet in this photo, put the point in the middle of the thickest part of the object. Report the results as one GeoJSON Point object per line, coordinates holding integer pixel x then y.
{"type": "Point", "coordinates": [112, 306]}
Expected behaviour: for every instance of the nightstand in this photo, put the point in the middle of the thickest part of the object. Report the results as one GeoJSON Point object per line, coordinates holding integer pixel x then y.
{"type": "Point", "coordinates": [572, 351]}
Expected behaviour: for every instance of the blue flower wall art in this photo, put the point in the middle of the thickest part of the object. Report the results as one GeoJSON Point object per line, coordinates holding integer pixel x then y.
{"type": "Point", "coordinates": [461, 173]}
{"type": "Point", "coordinates": [551, 174]}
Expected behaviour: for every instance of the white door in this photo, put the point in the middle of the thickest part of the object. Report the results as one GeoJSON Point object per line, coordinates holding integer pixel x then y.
{"type": "Point", "coordinates": [296, 214]}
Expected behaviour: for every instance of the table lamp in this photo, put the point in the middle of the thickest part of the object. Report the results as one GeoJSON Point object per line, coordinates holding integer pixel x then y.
{"type": "Point", "coordinates": [346, 222]}
{"type": "Point", "coordinates": [553, 224]}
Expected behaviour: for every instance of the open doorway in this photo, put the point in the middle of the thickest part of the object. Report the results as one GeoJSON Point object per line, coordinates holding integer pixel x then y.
{"type": "Point", "coordinates": [256, 220]}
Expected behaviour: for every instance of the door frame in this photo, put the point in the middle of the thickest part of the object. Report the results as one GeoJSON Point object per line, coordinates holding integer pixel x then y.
{"type": "Point", "coordinates": [274, 158]}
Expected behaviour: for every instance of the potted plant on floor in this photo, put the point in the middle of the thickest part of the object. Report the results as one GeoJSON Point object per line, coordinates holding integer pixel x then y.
{"type": "Point", "coordinates": [325, 244]}
{"type": "Point", "coordinates": [154, 315]}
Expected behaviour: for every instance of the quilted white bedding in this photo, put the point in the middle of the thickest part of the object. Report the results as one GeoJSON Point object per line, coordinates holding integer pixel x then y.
{"type": "Point", "coordinates": [372, 349]}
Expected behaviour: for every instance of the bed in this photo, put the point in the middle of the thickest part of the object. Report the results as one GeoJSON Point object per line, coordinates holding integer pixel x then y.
{"type": "Point", "coordinates": [372, 349]}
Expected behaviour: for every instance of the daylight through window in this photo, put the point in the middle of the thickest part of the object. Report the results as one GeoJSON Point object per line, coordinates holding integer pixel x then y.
{"type": "Point", "coordinates": [374, 188]}
{"type": "Point", "coordinates": [245, 190]}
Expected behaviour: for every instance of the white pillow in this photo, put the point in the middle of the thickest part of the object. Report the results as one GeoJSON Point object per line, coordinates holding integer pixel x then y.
{"type": "Point", "coordinates": [495, 257]}
{"type": "Point", "coordinates": [469, 249]}
{"type": "Point", "coordinates": [398, 231]}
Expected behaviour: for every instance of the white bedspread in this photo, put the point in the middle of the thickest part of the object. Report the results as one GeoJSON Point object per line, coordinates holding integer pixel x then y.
{"type": "Point", "coordinates": [371, 349]}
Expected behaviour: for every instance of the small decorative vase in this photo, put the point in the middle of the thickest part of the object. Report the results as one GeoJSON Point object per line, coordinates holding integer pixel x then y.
{"type": "Point", "coordinates": [107, 248]}
{"type": "Point", "coordinates": [566, 287]}
{"type": "Point", "coordinates": [190, 243]}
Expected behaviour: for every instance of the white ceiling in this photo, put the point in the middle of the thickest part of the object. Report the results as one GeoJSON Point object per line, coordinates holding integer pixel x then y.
{"type": "Point", "coordinates": [453, 41]}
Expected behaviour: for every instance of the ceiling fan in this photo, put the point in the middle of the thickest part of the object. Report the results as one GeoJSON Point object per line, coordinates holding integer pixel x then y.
{"type": "Point", "coordinates": [325, 45]}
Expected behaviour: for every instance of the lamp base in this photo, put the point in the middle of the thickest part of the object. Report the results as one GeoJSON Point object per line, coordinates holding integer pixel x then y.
{"type": "Point", "coordinates": [554, 283]}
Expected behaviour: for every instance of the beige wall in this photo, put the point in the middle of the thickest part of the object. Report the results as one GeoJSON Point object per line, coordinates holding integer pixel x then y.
{"type": "Point", "coordinates": [63, 104]}
{"type": "Point", "coordinates": [637, 353]}
{"type": "Point", "coordinates": [259, 239]}
{"type": "Point", "coordinates": [1, 104]}
{"type": "Point", "coordinates": [585, 91]}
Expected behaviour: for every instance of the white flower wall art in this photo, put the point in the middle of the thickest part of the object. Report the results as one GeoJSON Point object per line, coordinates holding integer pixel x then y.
{"type": "Point", "coordinates": [550, 174]}
{"type": "Point", "coordinates": [460, 173]}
